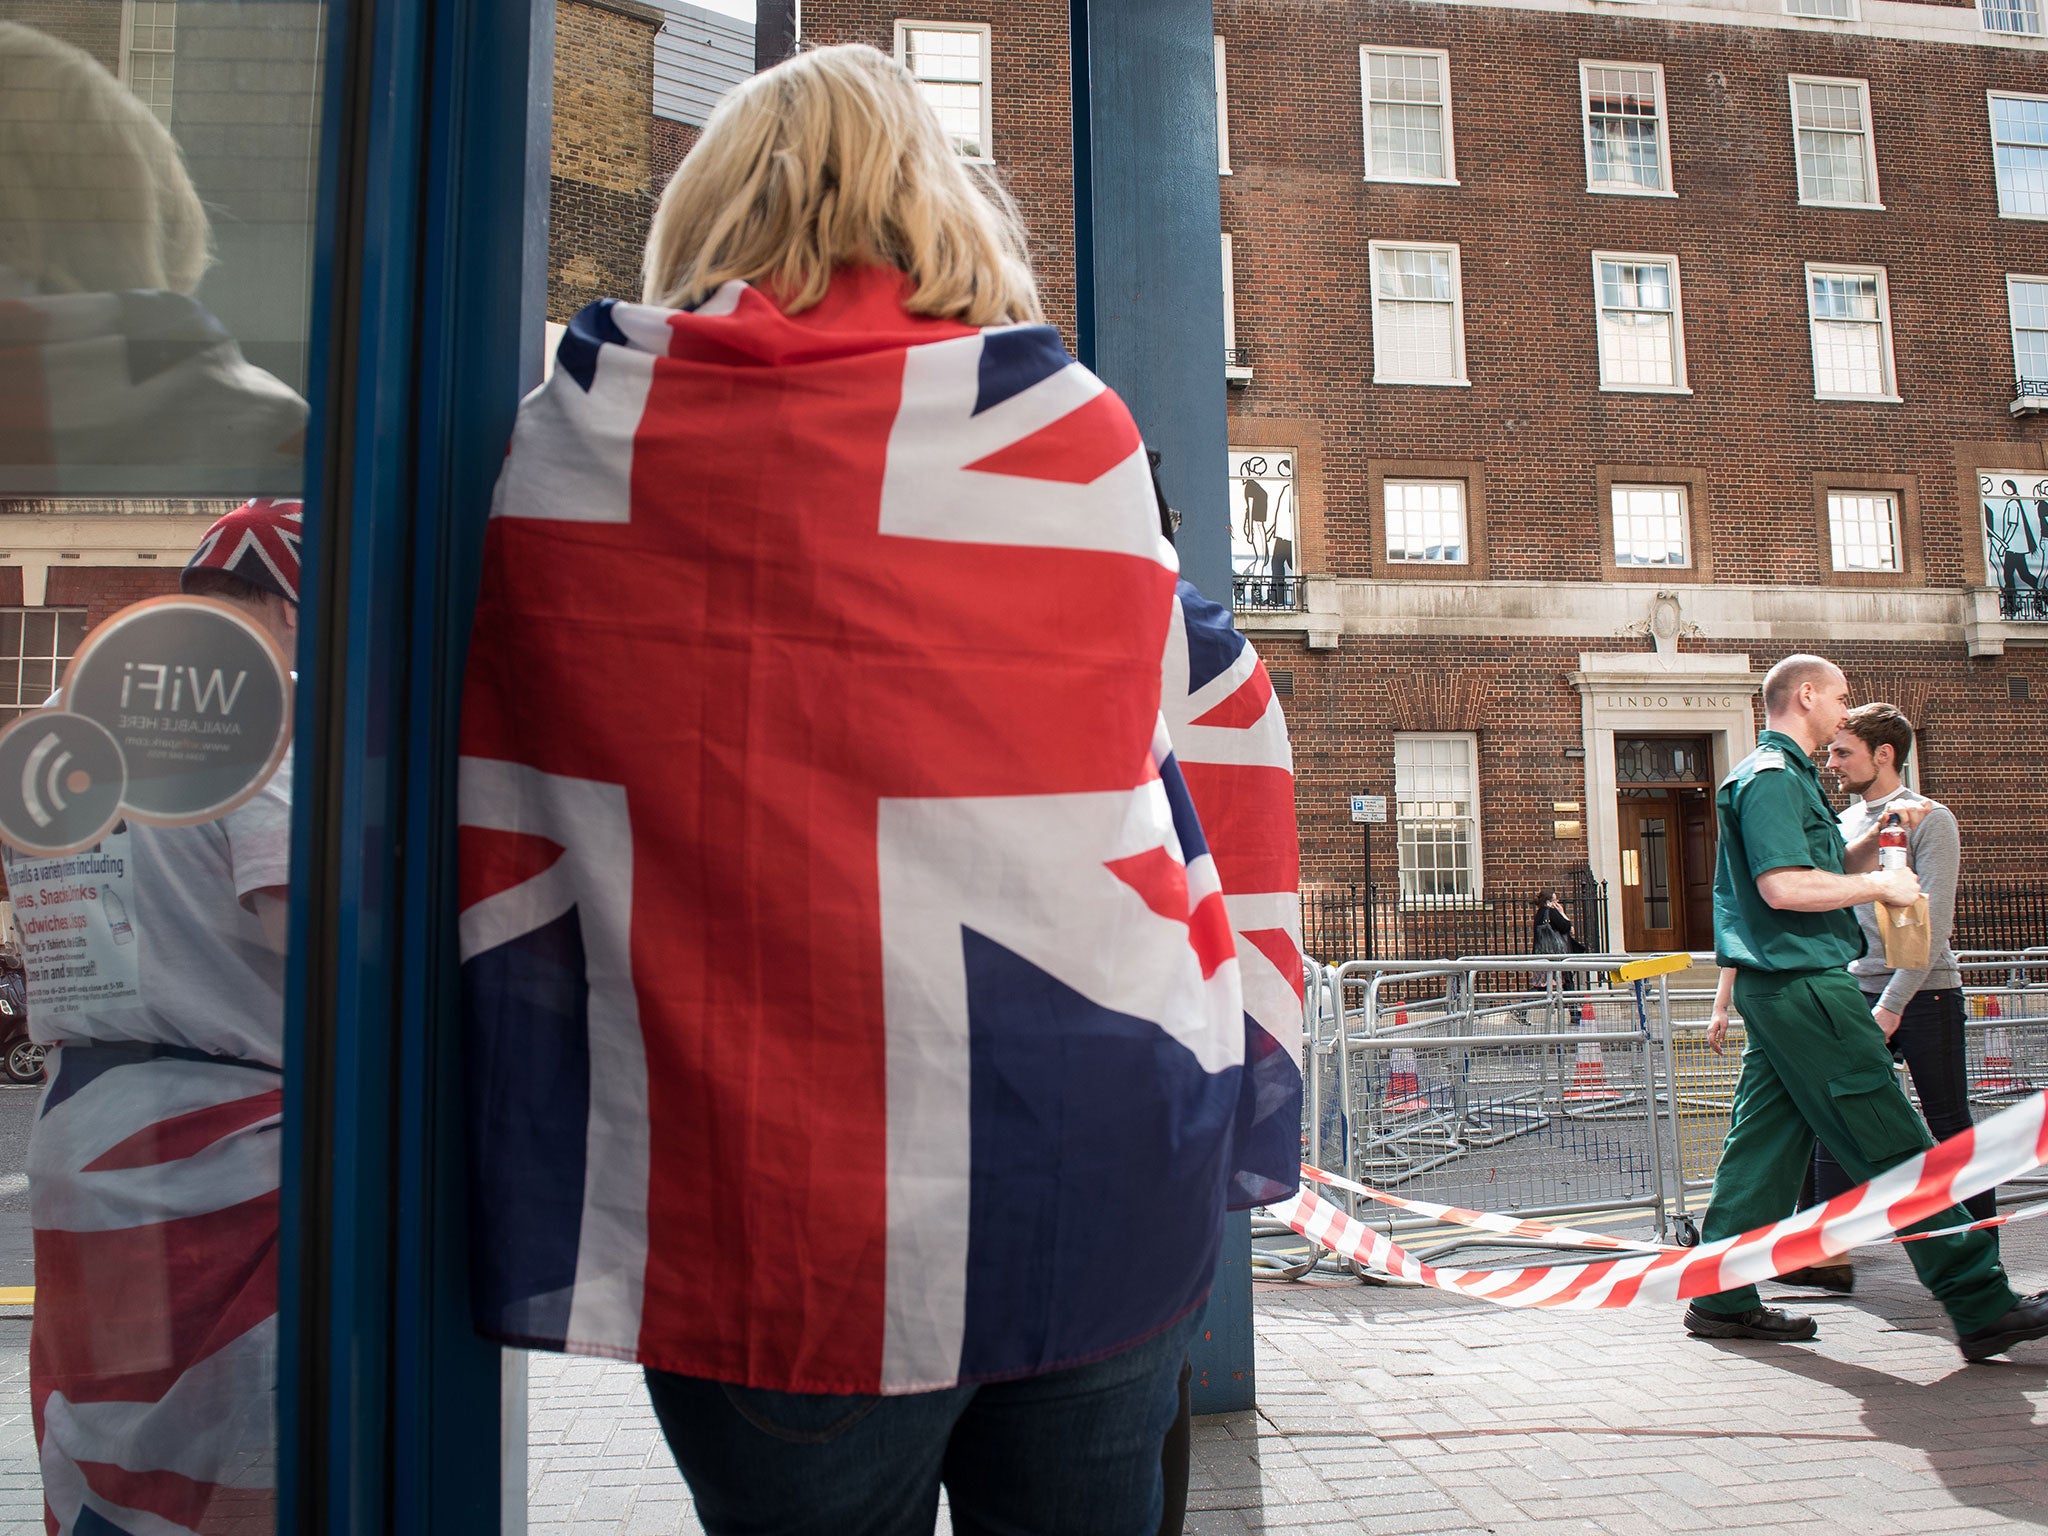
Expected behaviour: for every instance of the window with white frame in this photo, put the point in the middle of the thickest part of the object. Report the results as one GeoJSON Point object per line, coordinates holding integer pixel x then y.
{"type": "Point", "coordinates": [1849, 310]}
{"type": "Point", "coordinates": [2019, 151]}
{"type": "Point", "coordinates": [2027, 302]}
{"type": "Point", "coordinates": [35, 645]}
{"type": "Point", "coordinates": [2020, 16]}
{"type": "Point", "coordinates": [1823, 10]}
{"type": "Point", "coordinates": [1652, 527]}
{"type": "Point", "coordinates": [950, 64]}
{"type": "Point", "coordinates": [1834, 146]}
{"type": "Point", "coordinates": [1425, 522]}
{"type": "Point", "coordinates": [1408, 115]}
{"type": "Point", "coordinates": [1236, 365]}
{"type": "Point", "coordinates": [1863, 531]}
{"type": "Point", "coordinates": [1436, 813]}
{"type": "Point", "coordinates": [1418, 314]}
{"type": "Point", "coordinates": [1627, 147]}
{"type": "Point", "coordinates": [1222, 112]}
{"type": "Point", "coordinates": [1642, 336]}
{"type": "Point", "coordinates": [149, 35]}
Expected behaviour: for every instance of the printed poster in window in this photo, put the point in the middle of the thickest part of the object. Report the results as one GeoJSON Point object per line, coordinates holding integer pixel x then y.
{"type": "Point", "coordinates": [74, 919]}
{"type": "Point", "coordinates": [1262, 531]}
{"type": "Point", "coordinates": [2015, 505]}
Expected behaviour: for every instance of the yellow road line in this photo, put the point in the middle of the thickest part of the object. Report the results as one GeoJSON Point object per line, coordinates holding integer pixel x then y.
{"type": "Point", "coordinates": [17, 1295]}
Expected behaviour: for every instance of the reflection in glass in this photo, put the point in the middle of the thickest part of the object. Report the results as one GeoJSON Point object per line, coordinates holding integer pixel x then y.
{"type": "Point", "coordinates": [1656, 873]}
{"type": "Point", "coordinates": [156, 176]}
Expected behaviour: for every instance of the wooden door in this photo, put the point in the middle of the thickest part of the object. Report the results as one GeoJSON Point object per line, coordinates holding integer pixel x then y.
{"type": "Point", "coordinates": [1652, 873]}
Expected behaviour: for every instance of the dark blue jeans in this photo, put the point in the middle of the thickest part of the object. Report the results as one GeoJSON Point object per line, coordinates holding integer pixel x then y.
{"type": "Point", "coordinates": [1071, 1453]}
{"type": "Point", "coordinates": [1930, 1041]}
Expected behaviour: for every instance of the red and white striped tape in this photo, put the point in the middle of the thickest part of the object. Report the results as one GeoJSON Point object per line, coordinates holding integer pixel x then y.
{"type": "Point", "coordinates": [2007, 1145]}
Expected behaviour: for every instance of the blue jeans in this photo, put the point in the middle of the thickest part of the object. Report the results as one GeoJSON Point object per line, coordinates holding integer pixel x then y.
{"type": "Point", "coordinates": [1071, 1453]}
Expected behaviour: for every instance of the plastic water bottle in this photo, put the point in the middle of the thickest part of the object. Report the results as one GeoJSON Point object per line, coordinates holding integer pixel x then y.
{"type": "Point", "coordinates": [117, 917]}
{"type": "Point", "coordinates": [1891, 843]}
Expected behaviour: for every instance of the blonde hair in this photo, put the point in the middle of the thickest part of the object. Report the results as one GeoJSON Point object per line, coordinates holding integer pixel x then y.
{"type": "Point", "coordinates": [832, 158]}
{"type": "Point", "coordinates": [93, 192]}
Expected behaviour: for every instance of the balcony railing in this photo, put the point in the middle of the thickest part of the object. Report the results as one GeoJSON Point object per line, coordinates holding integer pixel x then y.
{"type": "Point", "coordinates": [1237, 364]}
{"type": "Point", "coordinates": [1265, 594]}
{"type": "Point", "coordinates": [2029, 395]}
{"type": "Point", "coordinates": [2022, 603]}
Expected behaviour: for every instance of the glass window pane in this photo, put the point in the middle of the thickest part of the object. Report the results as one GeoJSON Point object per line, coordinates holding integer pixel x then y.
{"type": "Point", "coordinates": [2021, 16]}
{"type": "Point", "coordinates": [2019, 135]}
{"type": "Point", "coordinates": [1863, 530]}
{"type": "Point", "coordinates": [39, 633]}
{"type": "Point", "coordinates": [1405, 115]}
{"type": "Point", "coordinates": [1833, 142]}
{"type": "Point", "coordinates": [1436, 815]}
{"type": "Point", "coordinates": [1849, 353]}
{"type": "Point", "coordinates": [1425, 520]}
{"type": "Point", "coordinates": [1638, 330]}
{"type": "Point", "coordinates": [159, 168]}
{"type": "Point", "coordinates": [1622, 137]}
{"type": "Point", "coordinates": [1651, 526]}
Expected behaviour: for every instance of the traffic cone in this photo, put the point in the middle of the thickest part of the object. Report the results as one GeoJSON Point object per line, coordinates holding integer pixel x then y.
{"type": "Point", "coordinates": [1999, 1076]}
{"type": "Point", "coordinates": [1589, 1075]}
{"type": "Point", "coordinates": [1404, 1078]}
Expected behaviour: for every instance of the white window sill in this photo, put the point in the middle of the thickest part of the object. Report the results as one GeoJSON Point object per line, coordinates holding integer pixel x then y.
{"type": "Point", "coordinates": [1237, 375]}
{"type": "Point", "coordinates": [1644, 389]}
{"type": "Point", "coordinates": [1648, 569]}
{"type": "Point", "coordinates": [1426, 383]}
{"type": "Point", "coordinates": [2025, 218]}
{"type": "Point", "coordinates": [1808, 202]}
{"type": "Point", "coordinates": [1426, 564]}
{"type": "Point", "coordinates": [1630, 191]}
{"type": "Point", "coordinates": [1866, 399]}
{"type": "Point", "coordinates": [1415, 181]}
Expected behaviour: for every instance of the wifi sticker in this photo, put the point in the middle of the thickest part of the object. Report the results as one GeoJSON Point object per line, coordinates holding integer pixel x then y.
{"type": "Point", "coordinates": [61, 781]}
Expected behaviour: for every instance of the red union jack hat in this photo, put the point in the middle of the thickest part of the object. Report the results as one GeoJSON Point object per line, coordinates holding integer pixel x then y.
{"type": "Point", "coordinates": [258, 542]}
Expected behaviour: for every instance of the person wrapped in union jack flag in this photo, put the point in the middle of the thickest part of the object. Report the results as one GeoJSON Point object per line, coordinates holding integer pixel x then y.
{"type": "Point", "coordinates": [863, 1036]}
{"type": "Point", "coordinates": [153, 1163]}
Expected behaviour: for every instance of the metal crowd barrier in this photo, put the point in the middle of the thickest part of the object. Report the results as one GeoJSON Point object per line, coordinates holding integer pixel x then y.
{"type": "Point", "coordinates": [1553, 1085]}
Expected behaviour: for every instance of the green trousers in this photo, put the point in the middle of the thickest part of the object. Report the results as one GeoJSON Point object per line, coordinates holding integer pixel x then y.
{"type": "Point", "coordinates": [1816, 1065]}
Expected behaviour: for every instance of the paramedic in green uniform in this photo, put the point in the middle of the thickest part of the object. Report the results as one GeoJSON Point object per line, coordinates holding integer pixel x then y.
{"type": "Point", "coordinates": [1816, 1063]}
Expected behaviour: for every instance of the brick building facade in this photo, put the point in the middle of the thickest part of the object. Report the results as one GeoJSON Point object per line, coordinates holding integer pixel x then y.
{"type": "Point", "coordinates": [1588, 359]}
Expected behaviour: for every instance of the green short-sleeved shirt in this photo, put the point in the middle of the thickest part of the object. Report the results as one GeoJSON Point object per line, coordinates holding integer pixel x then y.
{"type": "Point", "coordinates": [1774, 816]}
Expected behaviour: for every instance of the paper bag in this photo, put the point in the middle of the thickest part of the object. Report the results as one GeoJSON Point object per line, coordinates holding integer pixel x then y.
{"type": "Point", "coordinates": [1906, 935]}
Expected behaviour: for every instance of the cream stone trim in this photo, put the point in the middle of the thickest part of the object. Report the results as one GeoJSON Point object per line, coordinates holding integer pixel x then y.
{"type": "Point", "coordinates": [36, 542]}
{"type": "Point", "coordinates": [1592, 610]}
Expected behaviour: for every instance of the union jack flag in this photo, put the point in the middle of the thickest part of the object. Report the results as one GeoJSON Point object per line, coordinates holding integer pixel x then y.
{"type": "Point", "coordinates": [849, 983]}
{"type": "Point", "coordinates": [1230, 739]}
{"type": "Point", "coordinates": [153, 1186]}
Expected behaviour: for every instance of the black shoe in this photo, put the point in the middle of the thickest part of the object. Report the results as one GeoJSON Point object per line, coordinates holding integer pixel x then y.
{"type": "Point", "coordinates": [1839, 1278]}
{"type": "Point", "coordinates": [1770, 1323]}
{"type": "Point", "coordinates": [2028, 1320]}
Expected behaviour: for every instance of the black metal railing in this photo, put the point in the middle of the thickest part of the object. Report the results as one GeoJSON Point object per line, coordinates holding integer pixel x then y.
{"type": "Point", "coordinates": [1237, 357]}
{"type": "Point", "coordinates": [1265, 594]}
{"type": "Point", "coordinates": [2030, 389]}
{"type": "Point", "coordinates": [1358, 922]}
{"type": "Point", "coordinates": [2000, 912]}
{"type": "Point", "coordinates": [2022, 603]}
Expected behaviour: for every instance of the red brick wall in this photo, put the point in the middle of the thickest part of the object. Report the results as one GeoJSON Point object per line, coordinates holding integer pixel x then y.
{"type": "Point", "coordinates": [672, 141]}
{"type": "Point", "coordinates": [103, 590]}
{"type": "Point", "coordinates": [1031, 114]}
{"type": "Point", "coordinates": [1526, 227]}
{"type": "Point", "coordinates": [1534, 418]}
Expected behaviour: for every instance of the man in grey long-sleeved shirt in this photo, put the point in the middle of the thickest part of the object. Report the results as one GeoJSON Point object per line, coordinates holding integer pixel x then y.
{"type": "Point", "coordinates": [1920, 1011]}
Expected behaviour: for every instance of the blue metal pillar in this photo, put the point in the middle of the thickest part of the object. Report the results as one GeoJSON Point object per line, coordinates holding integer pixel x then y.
{"type": "Point", "coordinates": [428, 319]}
{"type": "Point", "coordinates": [1148, 254]}
{"type": "Point", "coordinates": [1149, 289]}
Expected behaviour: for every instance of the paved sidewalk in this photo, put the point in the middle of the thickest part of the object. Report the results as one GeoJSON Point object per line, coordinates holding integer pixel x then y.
{"type": "Point", "coordinates": [1394, 1410]}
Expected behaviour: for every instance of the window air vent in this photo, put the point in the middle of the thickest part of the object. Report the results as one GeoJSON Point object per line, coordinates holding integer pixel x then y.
{"type": "Point", "coordinates": [2016, 689]}
{"type": "Point", "coordinates": [1283, 682]}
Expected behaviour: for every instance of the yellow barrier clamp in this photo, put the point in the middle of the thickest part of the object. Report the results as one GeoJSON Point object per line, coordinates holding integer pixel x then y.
{"type": "Point", "coordinates": [1651, 965]}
